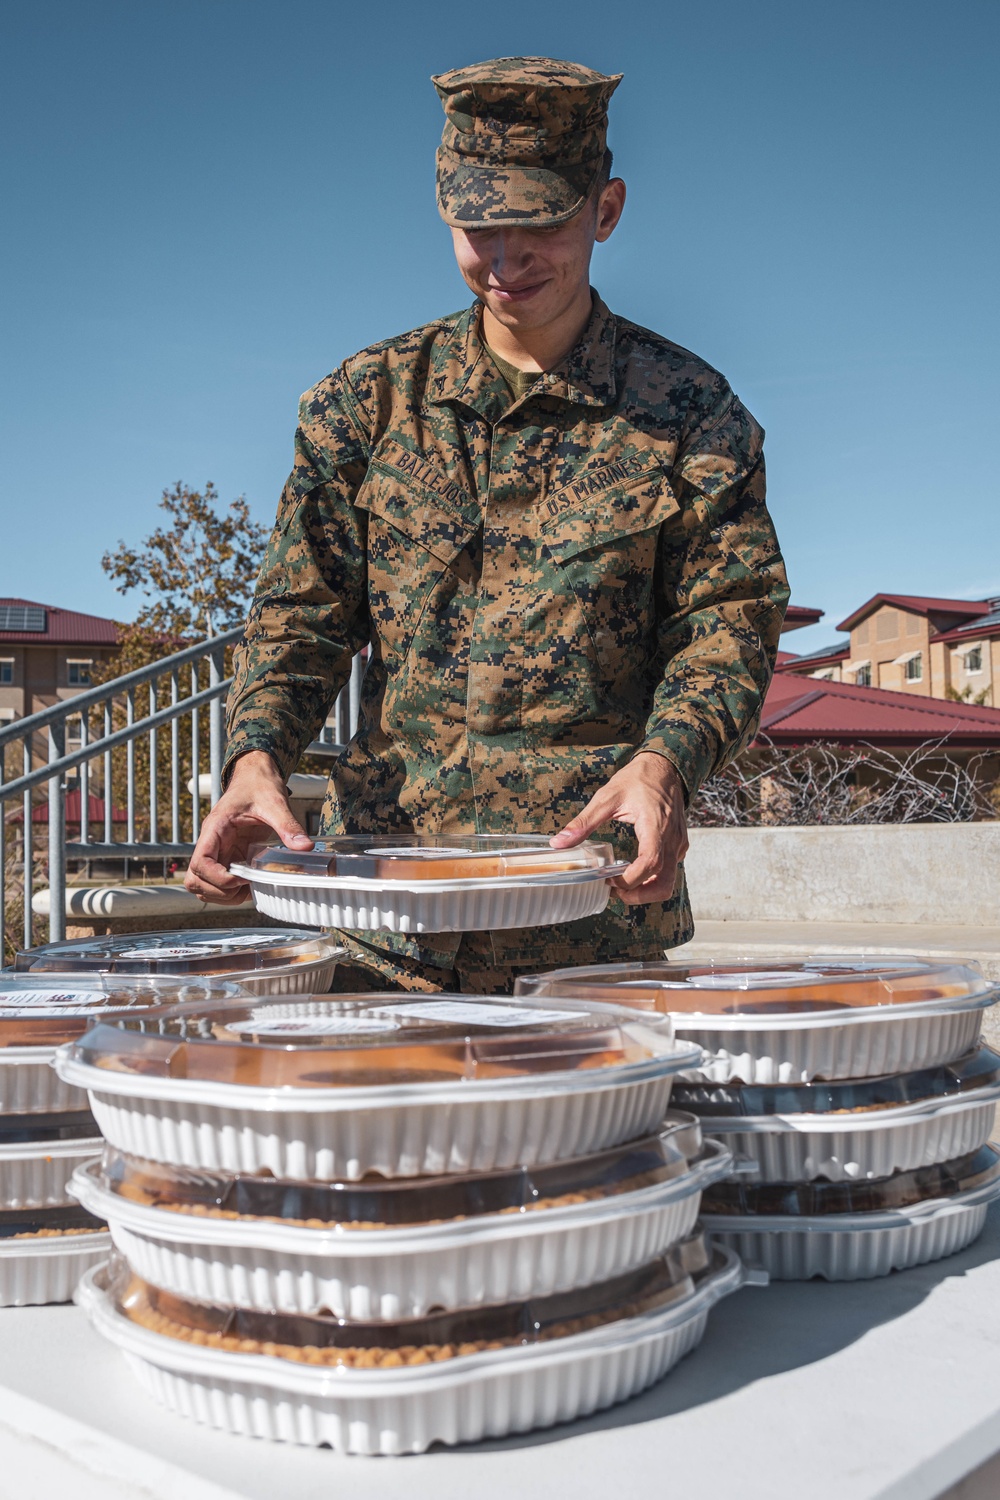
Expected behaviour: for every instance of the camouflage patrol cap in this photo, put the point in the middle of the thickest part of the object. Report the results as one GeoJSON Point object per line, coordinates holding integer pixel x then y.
{"type": "Point", "coordinates": [523, 143]}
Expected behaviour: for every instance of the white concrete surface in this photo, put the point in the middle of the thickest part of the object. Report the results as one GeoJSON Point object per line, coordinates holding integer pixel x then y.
{"type": "Point", "coordinates": [943, 873]}
{"type": "Point", "coordinates": [882, 1390]}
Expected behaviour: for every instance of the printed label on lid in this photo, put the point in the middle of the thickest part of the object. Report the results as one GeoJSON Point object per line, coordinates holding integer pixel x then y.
{"type": "Point", "coordinates": [53, 1002]}
{"type": "Point", "coordinates": [479, 1013]}
{"type": "Point", "coordinates": [318, 1026]}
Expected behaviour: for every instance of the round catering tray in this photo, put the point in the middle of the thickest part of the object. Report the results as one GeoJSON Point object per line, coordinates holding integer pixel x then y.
{"type": "Point", "coordinates": [35, 1173]}
{"type": "Point", "coordinates": [30, 1085]}
{"type": "Point", "coordinates": [406, 1409]}
{"type": "Point", "coordinates": [431, 883]}
{"type": "Point", "coordinates": [337, 1087]}
{"type": "Point", "coordinates": [264, 960]}
{"type": "Point", "coordinates": [869, 1240]}
{"type": "Point", "coordinates": [43, 1255]}
{"type": "Point", "coordinates": [796, 1020]}
{"type": "Point", "coordinates": [869, 1128]}
{"type": "Point", "coordinates": [404, 1271]}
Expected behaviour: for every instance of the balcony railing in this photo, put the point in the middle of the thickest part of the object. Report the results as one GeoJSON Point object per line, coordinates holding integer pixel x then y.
{"type": "Point", "coordinates": [155, 715]}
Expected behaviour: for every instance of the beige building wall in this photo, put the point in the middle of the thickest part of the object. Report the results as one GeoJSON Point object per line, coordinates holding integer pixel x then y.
{"type": "Point", "coordinates": [879, 644]}
{"type": "Point", "coordinates": [44, 675]}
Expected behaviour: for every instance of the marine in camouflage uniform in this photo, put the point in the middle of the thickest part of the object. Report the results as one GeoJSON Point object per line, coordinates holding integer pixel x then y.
{"type": "Point", "coordinates": [548, 583]}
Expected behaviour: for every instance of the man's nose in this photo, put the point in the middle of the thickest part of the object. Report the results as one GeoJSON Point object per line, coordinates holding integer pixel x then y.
{"type": "Point", "coordinates": [511, 251]}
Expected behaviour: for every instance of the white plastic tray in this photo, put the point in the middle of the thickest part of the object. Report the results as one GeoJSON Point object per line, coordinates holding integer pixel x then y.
{"type": "Point", "coordinates": [404, 1410]}
{"type": "Point", "coordinates": [854, 1247]}
{"type": "Point", "coordinates": [419, 1129]}
{"type": "Point", "coordinates": [29, 1085]}
{"type": "Point", "coordinates": [36, 1175]}
{"type": "Point", "coordinates": [47, 1270]}
{"type": "Point", "coordinates": [856, 1044]}
{"type": "Point", "coordinates": [800, 1148]}
{"type": "Point", "coordinates": [430, 905]}
{"type": "Point", "coordinates": [310, 978]}
{"type": "Point", "coordinates": [406, 1271]}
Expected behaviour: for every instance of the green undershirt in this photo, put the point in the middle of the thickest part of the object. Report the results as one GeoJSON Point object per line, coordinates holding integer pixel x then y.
{"type": "Point", "coordinates": [520, 381]}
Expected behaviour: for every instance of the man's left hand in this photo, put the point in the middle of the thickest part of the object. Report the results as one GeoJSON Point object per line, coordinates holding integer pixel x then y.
{"type": "Point", "coordinates": [647, 793]}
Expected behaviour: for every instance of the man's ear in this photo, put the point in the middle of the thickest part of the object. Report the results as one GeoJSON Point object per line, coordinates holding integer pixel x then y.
{"type": "Point", "coordinates": [609, 209]}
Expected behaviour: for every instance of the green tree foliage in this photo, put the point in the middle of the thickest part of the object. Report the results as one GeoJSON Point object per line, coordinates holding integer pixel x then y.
{"type": "Point", "coordinates": [198, 571]}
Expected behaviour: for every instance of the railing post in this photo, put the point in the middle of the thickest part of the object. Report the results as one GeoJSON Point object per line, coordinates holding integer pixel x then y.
{"type": "Point", "coordinates": [27, 847]}
{"type": "Point", "coordinates": [357, 672]}
{"type": "Point", "coordinates": [57, 837]}
{"type": "Point", "coordinates": [216, 662]}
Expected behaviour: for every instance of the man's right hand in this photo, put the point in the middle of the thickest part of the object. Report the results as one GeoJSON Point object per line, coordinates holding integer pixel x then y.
{"type": "Point", "coordinates": [253, 805]}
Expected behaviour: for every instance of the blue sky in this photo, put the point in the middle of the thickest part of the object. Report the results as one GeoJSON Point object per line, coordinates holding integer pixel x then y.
{"type": "Point", "coordinates": [210, 203]}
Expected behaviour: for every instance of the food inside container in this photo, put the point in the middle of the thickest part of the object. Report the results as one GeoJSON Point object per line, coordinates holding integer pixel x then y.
{"type": "Point", "coordinates": [770, 989]}
{"type": "Point", "coordinates": [410, 858]}
{"type": "Point", "coordinates": [47, 1223]}
{"type": "Point", "coordinates": [238, 952]}
{"type": "Point", "coordinates": [37, 1011]}
{"type": "Point", "coordinates": [356, 1345]}
{"type": "Point", "coordinates": [375, 1203]}
{"type": "Point", "coordinates": [978, 1071]}
{"type": "Point", "coordinates": [902, 1190]}
{"type": "Point", "coordinates": [372, 1040]}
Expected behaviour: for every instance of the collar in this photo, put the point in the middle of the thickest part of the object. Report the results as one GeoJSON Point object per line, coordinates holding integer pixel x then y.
{"type": "Point", "coordinates": [461, 369]}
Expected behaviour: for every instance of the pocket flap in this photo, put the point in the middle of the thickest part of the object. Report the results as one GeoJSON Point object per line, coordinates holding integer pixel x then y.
{"type": "Point", "coordinates": [589, 511]}
{"type": "Point", "coordinates": [419, 500]}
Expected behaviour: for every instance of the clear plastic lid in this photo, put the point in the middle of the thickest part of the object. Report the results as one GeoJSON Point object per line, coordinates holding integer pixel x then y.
{"type": "Point", "coordinates": [19, 1223]}
{"type": "Point", "coordinates": [768, 988]}
{"type": "Point", "coordinates": [405, 858]}
{"type": "Point", "coordinates": [371, 1040]}
{"type": "Point", "coordinates": [809, 1199]}
{"type": "Point", "coordinates": [37, 1011]}
{"type": "Point", "coordinates": [977, 1070]}
{"type": "Point", "coordinates": [404, 1341]}
{"type": "Point", "coordinates": [236, 951]}
{"type": "Point", "coordinates": [375, 1203]}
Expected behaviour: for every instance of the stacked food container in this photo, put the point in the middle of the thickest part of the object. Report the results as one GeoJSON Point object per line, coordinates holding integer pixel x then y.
{"type": "Point", "coordinates": [271, 960]}
{"type": "Point", "coordinates": [858, 1088]}
{"type": "Point", "coordinates": [382, 1221]}
{"type": "Point", "coordinates": [47, 1240]}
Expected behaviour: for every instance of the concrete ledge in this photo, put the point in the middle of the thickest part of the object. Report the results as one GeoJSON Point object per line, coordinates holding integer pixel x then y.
{"type": "Point", "coordinates": [92, 911]}
{"type": "Point", "coordinates": [941, 873]}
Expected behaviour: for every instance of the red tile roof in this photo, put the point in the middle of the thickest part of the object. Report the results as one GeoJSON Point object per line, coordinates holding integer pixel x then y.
{"type": "Point", "coordinates": [63, 627]}
{"type": "Point", "coordinates": [95, 811]}
{"type": "Point", "coordinates": [800, 709]}
{"type": "Point", "coordinates": [799, 615]}
{"type": "Point", "coordinates": [920, 604]}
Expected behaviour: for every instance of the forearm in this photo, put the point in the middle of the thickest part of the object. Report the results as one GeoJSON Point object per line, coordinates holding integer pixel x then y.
{"type": "Point", "coordinates": [723, 600]}
{"type": "Point", "coordinates": [309, 615]}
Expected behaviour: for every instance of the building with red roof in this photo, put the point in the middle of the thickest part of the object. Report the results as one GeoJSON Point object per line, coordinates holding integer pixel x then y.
{"type": "Point", "coordinates": [48, 654]}
{"type": "Point", "coordinates": [924, 646]}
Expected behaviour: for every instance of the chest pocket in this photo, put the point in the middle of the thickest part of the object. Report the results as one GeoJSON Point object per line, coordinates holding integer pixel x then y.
{"type": "Point", "coordinates": [420, 524]}
{"type": "Point", "coordinates": [604, 548]}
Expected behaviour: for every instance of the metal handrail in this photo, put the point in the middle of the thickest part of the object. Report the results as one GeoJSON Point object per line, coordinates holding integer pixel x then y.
{"type": "Point", "coordinates": [339, 729]}
{"type": "Point", "coordinates": [72, 706]}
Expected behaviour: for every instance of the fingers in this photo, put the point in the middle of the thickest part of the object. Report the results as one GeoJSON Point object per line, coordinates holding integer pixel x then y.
{"type": "Point", "coordinates": [209, 878]}
{"type": "Point", "coordinates": [229, 830]}
{"type": "Point", "coordinates": [598, 811]}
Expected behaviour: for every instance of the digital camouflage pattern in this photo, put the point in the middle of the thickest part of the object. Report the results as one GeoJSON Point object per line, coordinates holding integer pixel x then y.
{"type": "Point", "coordinates": [548, 585]}
{"type": "Point", "coordinates": [523, 141]}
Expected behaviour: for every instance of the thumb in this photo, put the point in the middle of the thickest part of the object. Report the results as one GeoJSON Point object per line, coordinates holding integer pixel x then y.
{"type": "Point", "coordinates": [277, 814]}
{"type": "Point", "coordinates": [596, 813]}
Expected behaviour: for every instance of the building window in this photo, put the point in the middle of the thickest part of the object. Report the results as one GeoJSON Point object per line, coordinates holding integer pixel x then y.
{"type": "Point", "coordinates": [915, 668]}
{"type": "Point", "coordinates": [861, 633]}
{"type": "Point", "coordinates": [6, 671]}
{"type": "Point", "coordinates": [913, 624]}
{"type": "Point", "coordinates": [78, 673]}
{"type": "Point", "coordinates": [863, 676]}
{"type": "Point", "coordinates": [974, 660]}
{"type": "Point", "coordinates": [886, 625]}
{"type": "Point", "coordinates": [74, 733]}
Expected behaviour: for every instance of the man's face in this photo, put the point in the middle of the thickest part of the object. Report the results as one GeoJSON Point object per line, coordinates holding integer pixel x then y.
{"type": "Point", "coordinates": [529, 277]}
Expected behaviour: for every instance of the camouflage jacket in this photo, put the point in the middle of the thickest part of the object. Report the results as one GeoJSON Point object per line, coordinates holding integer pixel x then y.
{"type": "Point", "coordinates": [547, 584]}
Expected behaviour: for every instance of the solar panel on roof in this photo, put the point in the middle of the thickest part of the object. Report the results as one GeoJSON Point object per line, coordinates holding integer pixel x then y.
{"type": "Point", "coordinates": [22, 617]}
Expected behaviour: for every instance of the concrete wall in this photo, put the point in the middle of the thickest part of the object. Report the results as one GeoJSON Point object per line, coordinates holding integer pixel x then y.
{"type": "Point", "coordinates": [912, 873]}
